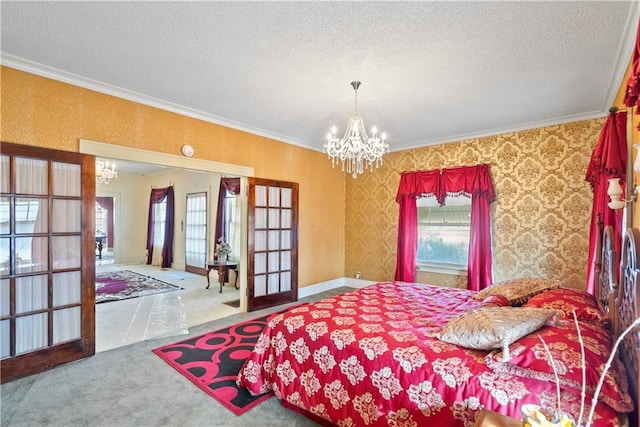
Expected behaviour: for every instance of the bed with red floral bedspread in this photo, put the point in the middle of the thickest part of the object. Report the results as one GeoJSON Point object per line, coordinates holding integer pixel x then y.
{"type": "Point", "coordinates": [372, 357]}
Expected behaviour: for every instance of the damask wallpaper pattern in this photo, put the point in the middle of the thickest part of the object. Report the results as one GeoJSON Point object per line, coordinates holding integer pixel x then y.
{"type": "Point", "coordinates": [540, 217]}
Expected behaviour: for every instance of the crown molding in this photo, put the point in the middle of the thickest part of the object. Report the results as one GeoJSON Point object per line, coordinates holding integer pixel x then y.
{"type": "Point", "coordinates": [624, 55]}
{"type": "Point", "coordinates": [42, 70]}
{"type": "Point", "coordinates": [499, 131]}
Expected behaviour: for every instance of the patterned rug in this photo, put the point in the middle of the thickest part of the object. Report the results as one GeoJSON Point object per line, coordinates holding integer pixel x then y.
{"type": "Point", "coordinates": [212, 362]}
{"type": "Point", "coordinates": [125, 284]}
{"type": "Point", "coordinates": [235, 303]}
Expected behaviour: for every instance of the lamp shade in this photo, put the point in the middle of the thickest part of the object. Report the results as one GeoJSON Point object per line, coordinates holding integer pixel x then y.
{"type": "Point", "coordinates": [615, 193]}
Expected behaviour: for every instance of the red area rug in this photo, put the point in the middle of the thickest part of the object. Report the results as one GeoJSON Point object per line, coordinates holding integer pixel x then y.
{"type": "Point", "coordinates": [212, 362]}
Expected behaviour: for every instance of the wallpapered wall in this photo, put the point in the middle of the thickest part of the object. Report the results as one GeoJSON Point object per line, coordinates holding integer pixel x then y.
{"type": "Point", "coordinates": [540, 217]}
{"type": "Point", "coordinates": [47, 113]}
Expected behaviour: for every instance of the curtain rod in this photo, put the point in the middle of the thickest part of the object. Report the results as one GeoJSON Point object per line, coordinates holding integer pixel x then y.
{"type": "Point", "coordinates": [170, 185]}
{"type": "Point", "coordinates": [615, 109]}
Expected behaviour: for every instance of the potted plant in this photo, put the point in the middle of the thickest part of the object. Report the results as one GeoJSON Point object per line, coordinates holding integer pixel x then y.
{"type": "Point", "coordinates": [223, 249]}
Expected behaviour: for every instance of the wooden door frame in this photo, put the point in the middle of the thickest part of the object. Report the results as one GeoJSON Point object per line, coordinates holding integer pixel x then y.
{"type": "Point", "coordinates": [119, 152]}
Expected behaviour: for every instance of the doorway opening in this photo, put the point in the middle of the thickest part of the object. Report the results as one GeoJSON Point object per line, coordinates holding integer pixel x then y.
{"type": "Point", "coordinates": [105, 226]}
{"type": "Point", "coordinates": [116, 321]}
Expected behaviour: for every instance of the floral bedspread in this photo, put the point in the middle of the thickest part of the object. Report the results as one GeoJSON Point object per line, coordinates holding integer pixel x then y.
{"type": "Point", "coordinates": [368, 358]}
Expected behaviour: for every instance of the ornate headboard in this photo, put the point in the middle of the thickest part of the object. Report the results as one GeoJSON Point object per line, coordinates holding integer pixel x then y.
{"type": "Point", "coordinates": [627, 310]}
{"type": "Point", "coordinates": [606, 269]}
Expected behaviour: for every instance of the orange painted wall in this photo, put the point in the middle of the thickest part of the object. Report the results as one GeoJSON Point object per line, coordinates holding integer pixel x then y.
{"type": "Point", "coordinates": [43, 112]}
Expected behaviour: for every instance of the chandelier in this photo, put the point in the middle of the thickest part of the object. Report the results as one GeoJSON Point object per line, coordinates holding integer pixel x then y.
{"type": "Point", "coordinates": [356, 150]}
{"type": "Point", "coordinates": [105, 172]}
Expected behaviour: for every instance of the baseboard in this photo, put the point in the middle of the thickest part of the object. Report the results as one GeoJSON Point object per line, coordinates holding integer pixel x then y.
{"type": "Point", "coordinates": [332, 284]}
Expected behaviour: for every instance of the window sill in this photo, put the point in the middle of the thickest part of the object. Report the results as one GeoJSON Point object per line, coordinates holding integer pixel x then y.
{"type": "Point", "coordinates": [457, 270]}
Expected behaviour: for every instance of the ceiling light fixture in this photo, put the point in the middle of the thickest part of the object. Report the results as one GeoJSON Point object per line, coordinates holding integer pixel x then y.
{"type": "Point", "coordinates": [105, 172]}
{"type": "Point", "coordinates": [356, 148]}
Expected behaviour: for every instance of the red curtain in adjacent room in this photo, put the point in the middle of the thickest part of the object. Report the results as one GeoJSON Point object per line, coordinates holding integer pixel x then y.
{"type": "Point", "coordinates": [469, 181]}
{"type": "Point", "coordinates": [230, 186]}
{"type": "Point", "coordinates": [157, 196]}
{"type": "Point", "coordinates": [608, 160]}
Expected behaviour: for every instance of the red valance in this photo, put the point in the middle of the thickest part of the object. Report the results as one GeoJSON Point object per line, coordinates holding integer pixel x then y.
{"type": "Point", "coordinates": [470, 181]}
{"type": "Point", "coordinates": [609, 158]}
{"type": "Point", "coordinates": [632, 93]}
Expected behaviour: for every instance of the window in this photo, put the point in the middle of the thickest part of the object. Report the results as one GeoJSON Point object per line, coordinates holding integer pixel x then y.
{"type": "Point", "coordinates": [195, 232]}
{"type": "Point", "coordinates": [101, 220]}
{"type": "Point", "coordinates": [443, 231]}
{"type": "Point", "coordinates": [230, 225]}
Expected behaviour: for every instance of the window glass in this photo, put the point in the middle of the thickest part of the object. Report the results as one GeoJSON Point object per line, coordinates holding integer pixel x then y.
{"type": "Point", "coordinates": [443, 231]}
{"type": "Point", "coordinates": [31, 176]}
{"type": "Point", "coordinates": [4, 174]}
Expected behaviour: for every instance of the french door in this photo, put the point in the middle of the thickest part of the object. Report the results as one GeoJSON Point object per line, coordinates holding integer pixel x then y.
{"type": "Point", "coordinates": [195, 233]}
{"type": "Point", "coordinates": [272, 272]}
{"type": "Point", "coordinates": [47, 259]}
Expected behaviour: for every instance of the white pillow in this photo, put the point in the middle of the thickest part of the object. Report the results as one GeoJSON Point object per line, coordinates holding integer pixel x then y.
{"type": "Point", "coordinates": [490, 327]}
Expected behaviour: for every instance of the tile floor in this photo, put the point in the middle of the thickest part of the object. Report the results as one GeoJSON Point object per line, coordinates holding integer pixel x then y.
{"type": "Point", "coordinates": [124, 322]}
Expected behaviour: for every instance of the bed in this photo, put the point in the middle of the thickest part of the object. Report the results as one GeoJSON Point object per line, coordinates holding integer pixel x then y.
{"type": "Point", "coordinates": [379, 356]}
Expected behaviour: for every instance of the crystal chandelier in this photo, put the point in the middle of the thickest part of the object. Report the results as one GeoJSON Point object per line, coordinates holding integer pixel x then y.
{"type": "Point", "coordinates": [356, 148]}
{"type": "Point", "coordinates": [105, 172]}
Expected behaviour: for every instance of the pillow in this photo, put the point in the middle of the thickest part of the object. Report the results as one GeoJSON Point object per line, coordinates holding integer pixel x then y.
{"type": "Point", "coordinates": [529, 360]}
{"type": "Point", "coordinates": [490, 327]}
{"type": "Point", "coordinates": [497, 300]}
{"type": "Point", "coordinates": [567, 300]}
{"type": "Point", "coordinates": [518, 291]}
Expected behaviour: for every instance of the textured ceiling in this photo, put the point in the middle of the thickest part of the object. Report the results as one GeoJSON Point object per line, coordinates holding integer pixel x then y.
{"type": "Point", "coordinates": [431, 72]}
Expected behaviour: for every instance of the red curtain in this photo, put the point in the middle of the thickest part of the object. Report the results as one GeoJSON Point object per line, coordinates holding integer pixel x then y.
{"type": "Point", "coordinates": [227, 185]}
{"type": "Point", "coordinates": [412, 185]}
{"type": "Point", "coordinates": [608, 160]}
{"type": "Point", "coordinates": [157, 196]}
{"type": "Point", "coordinates": [469, 181]}
{"type": "Point", "coordinates": [632, 94]}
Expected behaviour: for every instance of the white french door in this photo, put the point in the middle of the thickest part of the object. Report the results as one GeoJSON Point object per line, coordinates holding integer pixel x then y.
{"type": "Point", "coordinates": [195, 233]}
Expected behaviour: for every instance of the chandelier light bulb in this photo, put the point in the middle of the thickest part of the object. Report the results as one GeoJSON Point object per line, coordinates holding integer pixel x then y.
{"type": "Point", "coordinates": [105, 172]}
{"type": "Point", "coordinates": [374, 130]}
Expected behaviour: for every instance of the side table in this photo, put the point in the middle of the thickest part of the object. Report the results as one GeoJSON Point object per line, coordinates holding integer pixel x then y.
{"type": "Point", "coordinates": [222, 268]}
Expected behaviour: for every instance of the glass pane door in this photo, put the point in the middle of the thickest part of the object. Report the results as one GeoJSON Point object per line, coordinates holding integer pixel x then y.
{"type": "Point", "coordinates": [273, 243]}
{"type": "Point", "coordinates": [47, 309]}
{"type": "Point", "coordinates": [195, 233]}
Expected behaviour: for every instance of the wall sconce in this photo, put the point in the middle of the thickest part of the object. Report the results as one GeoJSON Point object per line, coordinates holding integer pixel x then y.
{"type": "Point", "coordinates": [615, 193]}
